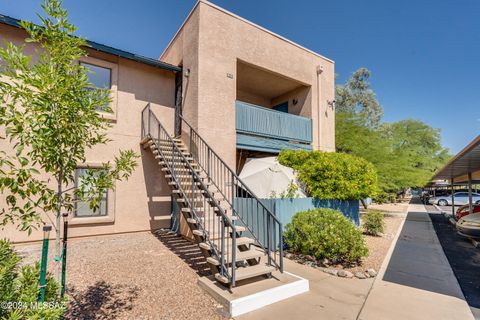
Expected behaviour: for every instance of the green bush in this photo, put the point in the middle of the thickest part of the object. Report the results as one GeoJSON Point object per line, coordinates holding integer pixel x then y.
{"type": "Point", "coordinates": [325, 234]}
{"type": "Point", "coordinates": [293, 158]}
{"type": "Point", "coordinates": [381, 197]}
{"type": "Point", "coordinates": [331, 175]}
{"type": "Point", "coordinates": [373, 222]}
{"type": "Point", "coordinates": [20, 284]}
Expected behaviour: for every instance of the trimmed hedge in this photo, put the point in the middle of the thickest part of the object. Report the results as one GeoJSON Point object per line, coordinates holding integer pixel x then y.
{"type": "Point", "coordinates": [331, 175]}
{"type": "Point", "coordinates": [325, 234]}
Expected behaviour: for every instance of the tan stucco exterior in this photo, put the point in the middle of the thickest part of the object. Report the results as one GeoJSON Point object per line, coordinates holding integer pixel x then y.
{"type": "Point", "coordinates": [223, 55]}
{"type": "Point", "coordinates": [142, 202]}
{"type": "Point", "coordinates": [210, 44]}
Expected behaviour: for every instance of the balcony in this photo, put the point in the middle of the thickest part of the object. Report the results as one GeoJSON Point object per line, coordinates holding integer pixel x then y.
{"type": "Point", "coordinates": [263, 129]}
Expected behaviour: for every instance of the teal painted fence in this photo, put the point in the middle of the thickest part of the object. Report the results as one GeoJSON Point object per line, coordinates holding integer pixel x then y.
{"type": "Point", "coordinates": [285, 209]}
{"type": "Point", "coordinates": [256, 120]}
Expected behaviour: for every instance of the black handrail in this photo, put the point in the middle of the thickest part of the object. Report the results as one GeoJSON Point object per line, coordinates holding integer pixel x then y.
{"type": "Point", "coordinates": [223, 177]}
{"type": "Point", "coordinates": [147, 132]}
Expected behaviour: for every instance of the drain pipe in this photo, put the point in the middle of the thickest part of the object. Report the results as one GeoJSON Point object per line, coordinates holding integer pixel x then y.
{"type": "Point", "coordinates": [319, 105]}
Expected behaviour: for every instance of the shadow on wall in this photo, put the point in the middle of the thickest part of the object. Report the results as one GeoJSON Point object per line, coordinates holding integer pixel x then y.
{"type": "Point", "coordinates": [158, 192]}
{"type": "Point", "coordinates": [147, 83]}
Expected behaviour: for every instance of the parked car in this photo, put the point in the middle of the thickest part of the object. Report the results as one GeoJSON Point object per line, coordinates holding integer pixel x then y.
{"type": "Point", "coordinates": [469, 226]}
{"type": "Point", "coordinates": [465, 210]}
{"type": "Point", "coordinates": [460, 198]}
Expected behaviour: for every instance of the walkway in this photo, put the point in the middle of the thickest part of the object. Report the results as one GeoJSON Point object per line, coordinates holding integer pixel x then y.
{"type": "Point", "coordinates": [416, 280]}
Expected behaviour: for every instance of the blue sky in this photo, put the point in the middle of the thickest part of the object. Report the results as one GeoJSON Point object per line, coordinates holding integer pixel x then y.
{"type": "Point", "coordinates": [423, 54]}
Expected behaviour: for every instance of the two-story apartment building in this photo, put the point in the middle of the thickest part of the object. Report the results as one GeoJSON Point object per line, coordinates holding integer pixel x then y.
{"type": "Point", "coordinates": [246, 91]}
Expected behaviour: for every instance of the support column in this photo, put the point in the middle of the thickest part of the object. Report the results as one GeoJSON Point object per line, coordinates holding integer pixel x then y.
{"type": "Point", "coordinates": [453, 199]}
{"type": "Point", "coordinates": [470, 202]}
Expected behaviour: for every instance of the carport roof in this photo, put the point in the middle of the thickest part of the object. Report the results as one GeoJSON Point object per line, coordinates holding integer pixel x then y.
{"type": "Point", "coordinates": [467, 160]}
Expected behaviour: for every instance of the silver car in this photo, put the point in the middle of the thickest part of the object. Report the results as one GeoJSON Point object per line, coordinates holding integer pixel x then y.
{"type": "Point", "coordinates": [469, 226]}
{"type": "Point", "coordinates": [460, 198]}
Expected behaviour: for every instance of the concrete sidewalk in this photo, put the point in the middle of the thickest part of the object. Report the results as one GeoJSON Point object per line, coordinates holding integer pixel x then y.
{"type": "Point", "coordinates": [416, 280]}
{"type": "Point", "coordinates": [329, 298]}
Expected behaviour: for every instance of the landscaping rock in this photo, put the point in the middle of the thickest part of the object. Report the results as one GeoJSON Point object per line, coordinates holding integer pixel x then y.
{"type": "Point", "coordinates": [333, 272]}
{"type": "Point", "coordinates": [288, 255]}
{"type": "Point", "coordinates": [309, 258]}
{"type": "Point", "coordinates": [345, 274]}
{"type": "Point", "coordinates": [360, 275]}
{"type": "Point", "coordinates": [371, 272]}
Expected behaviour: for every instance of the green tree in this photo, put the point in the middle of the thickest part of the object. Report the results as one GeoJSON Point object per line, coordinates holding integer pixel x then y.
{"type": "Point", "coordinates": [356, 98]}
{"type": "Point", "coordinates": [51, 120]}
{"type": "Point", "coordinates": [405, 153]}
{"type": "Point", "coordinates": [332, 175]}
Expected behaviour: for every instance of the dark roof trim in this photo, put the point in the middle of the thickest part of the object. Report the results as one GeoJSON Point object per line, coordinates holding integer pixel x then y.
{"type": "Point", "coordinates": [467, 160]}
{"type": "Point", "coordinates": [103, 48]}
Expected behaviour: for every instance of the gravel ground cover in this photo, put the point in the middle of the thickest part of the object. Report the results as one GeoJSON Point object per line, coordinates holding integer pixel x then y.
{"type": "Point", "coordinates": [134, 276]}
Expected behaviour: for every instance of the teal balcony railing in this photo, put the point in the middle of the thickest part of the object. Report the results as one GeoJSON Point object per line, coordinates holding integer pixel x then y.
{"type": "Point", "coordinates": [263, 122]}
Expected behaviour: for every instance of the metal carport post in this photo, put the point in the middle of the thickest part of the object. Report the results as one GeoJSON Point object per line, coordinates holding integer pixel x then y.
{"type": "Point", "coordinates": [470, 200]}
{"type": "Point", "coordinates": [453, 198]}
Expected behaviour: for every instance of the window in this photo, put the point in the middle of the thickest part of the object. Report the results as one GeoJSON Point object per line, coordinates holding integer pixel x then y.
{"type": "Point", "coordinates": [99, 77]}
{"type": "Point", "coordinates": [82, 208]}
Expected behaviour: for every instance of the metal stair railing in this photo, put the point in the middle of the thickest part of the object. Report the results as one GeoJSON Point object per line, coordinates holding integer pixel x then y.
{"type": "Point", "coordinates": [260, 222]}
{"type": "Point", "coordinates": [196, 195]}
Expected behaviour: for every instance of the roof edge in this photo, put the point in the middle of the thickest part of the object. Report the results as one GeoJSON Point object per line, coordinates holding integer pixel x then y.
{"type": "Point", "coordinates": [474, 143]}
{"type": "Point", "coordinates": [106, 49]}
{"type": "Point", "coordinates": [246, 21]}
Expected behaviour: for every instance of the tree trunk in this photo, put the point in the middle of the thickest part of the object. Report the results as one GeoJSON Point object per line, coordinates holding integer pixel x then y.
{"type": "Point", "coordinates": [364, 204]}
{"type": "Point", "coordinates": [58, 226]}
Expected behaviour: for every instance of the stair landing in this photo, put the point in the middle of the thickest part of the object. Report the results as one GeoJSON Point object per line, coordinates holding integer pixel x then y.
{"type": "Point", "coordinates": [254, 293]}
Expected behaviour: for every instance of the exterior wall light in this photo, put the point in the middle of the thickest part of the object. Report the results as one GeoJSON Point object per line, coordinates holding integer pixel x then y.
{"type": "Point", "coordinates": [331, 104]}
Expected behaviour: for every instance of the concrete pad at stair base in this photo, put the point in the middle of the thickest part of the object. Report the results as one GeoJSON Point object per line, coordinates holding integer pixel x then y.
{"type": "Point", "coordinates": [252, 294]}
{"type": "Point", "coordinates": [416, 280]}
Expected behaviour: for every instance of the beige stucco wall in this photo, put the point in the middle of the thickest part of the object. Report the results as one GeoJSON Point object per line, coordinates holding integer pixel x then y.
{"type": "Point", "coordinates": [222, 39]}
{"type": "Point", "coordinates": [142, 202]}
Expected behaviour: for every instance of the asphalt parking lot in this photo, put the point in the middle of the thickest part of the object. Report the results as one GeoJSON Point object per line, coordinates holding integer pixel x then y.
{"type": "Point", "coordinates": [463, 257]}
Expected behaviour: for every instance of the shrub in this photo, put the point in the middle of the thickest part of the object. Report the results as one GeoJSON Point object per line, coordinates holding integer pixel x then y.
{"type": "Point", "coordinates": [20, 284]}
{"type": "Point", "coordinates": [330, 175]}
{"type": "Point", "coordinates": [373, 222]}
{"type": "Point", "coordinates": [293, 158]}
{"type": "Point", "coordinates": [325, 233]}
{"type": "Point", "coordinates": [381, 197]}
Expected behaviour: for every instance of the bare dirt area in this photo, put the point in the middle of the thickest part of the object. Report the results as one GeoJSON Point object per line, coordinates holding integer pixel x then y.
{"type": "Point", "coordinates": [134, 276]}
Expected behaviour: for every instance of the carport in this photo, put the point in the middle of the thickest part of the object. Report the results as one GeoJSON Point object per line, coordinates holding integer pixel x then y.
{"type": "Point", "coordinates": [463, 169]}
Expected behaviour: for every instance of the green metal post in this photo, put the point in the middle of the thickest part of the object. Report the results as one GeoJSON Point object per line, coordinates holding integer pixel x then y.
{"type": "Point", "coordinates": [64, 255]}
{"type": "Point", "coordinates": [43, 266]}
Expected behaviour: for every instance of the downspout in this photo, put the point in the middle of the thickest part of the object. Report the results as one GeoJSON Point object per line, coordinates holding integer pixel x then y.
{"type": "Point", "coordinates": [319, 105]}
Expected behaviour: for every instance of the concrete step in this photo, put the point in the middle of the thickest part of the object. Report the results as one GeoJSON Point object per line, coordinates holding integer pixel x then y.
{"type": "Point", "coordinates": [239, 256]}
{"type": "Point", "coordinates": [247, 272]}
